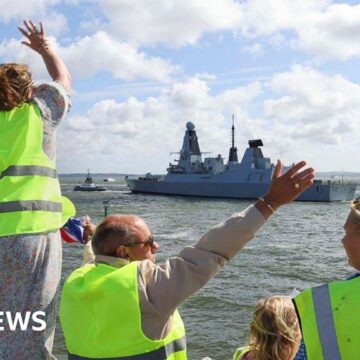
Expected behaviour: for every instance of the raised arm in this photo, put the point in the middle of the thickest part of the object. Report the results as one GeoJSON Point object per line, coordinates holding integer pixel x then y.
{"type": "Point", "coordinates": [169, 284]}
{"type": "Point", "coordinates": [38, 41]}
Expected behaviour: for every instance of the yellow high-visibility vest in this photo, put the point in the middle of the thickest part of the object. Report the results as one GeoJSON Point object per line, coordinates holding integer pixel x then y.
{"type": "Point", "coordinates": [240, 352]}
{"type": "Point", "coordinates": [330, 320]}
{"type": "Point", "coordinates": [30, 195]}
{"type": "Point", "coordinates": [101, 318]}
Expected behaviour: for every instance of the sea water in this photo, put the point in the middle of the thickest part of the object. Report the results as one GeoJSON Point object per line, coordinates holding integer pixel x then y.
{"type": "Point", "coordinates": [300, 246]}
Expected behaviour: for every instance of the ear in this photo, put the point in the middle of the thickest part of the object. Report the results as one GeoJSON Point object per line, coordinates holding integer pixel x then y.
{"type": "Point", "coordinates": [122, 252]}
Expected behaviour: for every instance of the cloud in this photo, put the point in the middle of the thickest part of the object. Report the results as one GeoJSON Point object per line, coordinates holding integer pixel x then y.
{"type": "Point", "coordinates": [335, 34]}
{"type": "Point", "coordinates": [309, 96]}
{"type": "Point", "coordinates": [301, 113]}
{"type": "Point", "coordinates": [317, 27]}
{"type": "Point", "coordinates": [38, 10]}
{"type": "Point", "coordinates": [256, 50]}
{"type": "Point", "coordinates": [92, 54]}
{"type": "Point", "coordinates": [123, 136]}
{"type": "Point", "coordinates": [24, 9]}
{"type": "Point", "coordinates": [173, 22]}
{"type": "Point", "coordinates": [311, 110]}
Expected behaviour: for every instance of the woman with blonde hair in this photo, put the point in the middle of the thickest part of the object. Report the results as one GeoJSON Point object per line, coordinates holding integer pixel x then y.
{"type": "Point", "coordinates": [274, 331]}
{"type": "Point", "coordinates": [31, 206]}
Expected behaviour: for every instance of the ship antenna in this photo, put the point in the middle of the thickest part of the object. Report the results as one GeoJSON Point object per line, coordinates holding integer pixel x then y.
{"type": "Point", "coordinates": [233, 132]}
{"type": "Point", "coordinates": [233, 150]}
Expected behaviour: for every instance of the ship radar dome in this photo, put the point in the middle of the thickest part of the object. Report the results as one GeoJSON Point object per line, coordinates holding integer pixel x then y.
{"type": "Point", "coordinates": [190, 125]}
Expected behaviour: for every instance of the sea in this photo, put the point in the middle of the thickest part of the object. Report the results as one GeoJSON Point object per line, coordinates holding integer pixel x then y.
{"type": "Point", "coordinates": [300, 246]}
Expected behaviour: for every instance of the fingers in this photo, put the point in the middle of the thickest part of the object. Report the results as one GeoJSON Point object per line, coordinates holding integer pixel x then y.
{"type": "Point", "coordinates": [295, 169]}
{"type": "Point", "coordinates": [28, 26]}
{"type": "Point", "coordinates": [33, 26]}
{"type": "Point", "coordinates": [26, 43]}
{"type": "Point", "coordinates": [303, 174]}
{"type": "Point", "coordinates": [24, 32]}
{"type": "Point", "coordinates": [306, 182]}
{"type": "Point", "coordinates": [278, 169]}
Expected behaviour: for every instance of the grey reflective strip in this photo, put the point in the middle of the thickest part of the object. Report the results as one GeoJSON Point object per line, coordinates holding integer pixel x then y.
{"type": "Point", "coordinates": [30, 205]}
{"type": "Point", "coordinates": [159, 354]}
{"type": "Point", "coordinates": [325, 323]}
{"type": "Point", "coordinates": [24, 170]}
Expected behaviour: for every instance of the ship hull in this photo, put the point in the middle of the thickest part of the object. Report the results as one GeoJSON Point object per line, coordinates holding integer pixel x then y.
{"type": "Point", "coordinates": [318, 192]}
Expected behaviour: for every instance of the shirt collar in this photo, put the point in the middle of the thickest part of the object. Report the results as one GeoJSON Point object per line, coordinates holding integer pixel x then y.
{"type": "Point", "coordinates": [111, 260]}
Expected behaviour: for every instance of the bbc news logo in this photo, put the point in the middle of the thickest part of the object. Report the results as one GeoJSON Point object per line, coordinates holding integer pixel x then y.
{"type": "Point", "coordinates": [19, 321]}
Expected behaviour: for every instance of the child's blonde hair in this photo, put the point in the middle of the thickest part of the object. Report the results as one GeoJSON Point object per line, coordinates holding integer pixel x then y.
{"type": "Point", "coordinates": [274, 329]}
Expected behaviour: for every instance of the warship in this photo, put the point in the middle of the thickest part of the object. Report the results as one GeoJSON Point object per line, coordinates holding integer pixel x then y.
{"type": "Point", "coordinates": [211, 177]}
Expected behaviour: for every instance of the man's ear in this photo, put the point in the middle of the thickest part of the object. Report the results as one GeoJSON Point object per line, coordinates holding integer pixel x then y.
{"type": "Point", "coordinates": [122, 252]}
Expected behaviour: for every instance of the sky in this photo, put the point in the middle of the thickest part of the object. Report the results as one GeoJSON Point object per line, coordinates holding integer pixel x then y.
{"type": "Point", "coordinates": [288, 70]}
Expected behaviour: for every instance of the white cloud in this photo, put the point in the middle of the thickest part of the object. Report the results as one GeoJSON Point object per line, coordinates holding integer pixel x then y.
{"type": "Point", "coordinates": [309, 96]}
{"type": "Point", "coordinates": [335, 34]}
{"type": "Point", "coordinates": [123, 136]}
{"type": "Point", "coordinates": [38, 10]}
{"type": "Point", "coordinates": [24, 9]}
{"type": "Point", "coordinates": [268, 17]}
{"type": "Point", "coordinates": [256, 50]}
{"type": "Point", "coordinates": [324, 30]}
{"type": "Point", "coordinates": [309, 115]}
{"type": "Point", "coordinates": [171, 22]}
{"type": "Point", "coordinates": [93, 54]}
{"type": "Point", "coordinates": [314, 112]}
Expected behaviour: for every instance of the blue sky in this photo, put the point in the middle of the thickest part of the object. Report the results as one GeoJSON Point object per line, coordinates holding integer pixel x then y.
{"type": "Point", "coordinates": [141, 69]}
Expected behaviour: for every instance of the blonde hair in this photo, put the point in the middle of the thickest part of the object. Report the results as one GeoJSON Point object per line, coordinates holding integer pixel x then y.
{"type": "Point", "coordinates": [274, 329]}
{"type": "Point", "coordinates": [15, 85]}
{"type": "Point", "coordinates": [354, 215]}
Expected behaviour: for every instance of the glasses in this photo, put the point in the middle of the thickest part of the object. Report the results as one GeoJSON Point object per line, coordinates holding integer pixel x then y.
{"type": "Point", "coordinates": [149, 242]}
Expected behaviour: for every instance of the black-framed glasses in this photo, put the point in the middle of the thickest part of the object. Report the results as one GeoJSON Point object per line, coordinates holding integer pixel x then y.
{"type": "Point", "coordinates": [149, 242]}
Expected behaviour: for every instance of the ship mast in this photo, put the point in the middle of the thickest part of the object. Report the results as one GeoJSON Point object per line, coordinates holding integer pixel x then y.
{"type": "Point", "coordinates": [233, 158]}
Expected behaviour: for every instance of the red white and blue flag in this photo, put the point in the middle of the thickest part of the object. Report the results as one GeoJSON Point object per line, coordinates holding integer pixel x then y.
{"type": "Point", "coordinates": [73, 231]}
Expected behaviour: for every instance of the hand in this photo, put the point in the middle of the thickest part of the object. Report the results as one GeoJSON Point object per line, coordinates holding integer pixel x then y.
{"type": "Point", "coordinates": [89, 228]}
{"type": "Point", "coordinates": [37, 39]}
{"type": "Point", "coordinates": [286, 188]}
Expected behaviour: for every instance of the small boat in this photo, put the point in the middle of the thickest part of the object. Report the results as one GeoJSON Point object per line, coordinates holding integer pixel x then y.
{"type": "Point", "coordinates": [110, 179]}
{"type": "Point", "coordinates": [88, 185]}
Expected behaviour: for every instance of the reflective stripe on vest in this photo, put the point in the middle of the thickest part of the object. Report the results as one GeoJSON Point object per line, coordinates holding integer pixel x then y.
{"type": "Point", "coordinates": [159, 354]}
{"type": "Point", "coordinates": [30, 205]}
{"type": "Point", "coordinates": [325, 323]}
{"type": "Point", "coordinates": [330, 320]}
{"type": "Point", "coordinates": [30, 194]}
{"type": "Point", "coordinates": [25, 170]}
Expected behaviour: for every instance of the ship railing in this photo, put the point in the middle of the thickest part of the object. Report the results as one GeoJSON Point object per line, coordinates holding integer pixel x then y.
{"type": "Point", "coordinates": [345, 181]}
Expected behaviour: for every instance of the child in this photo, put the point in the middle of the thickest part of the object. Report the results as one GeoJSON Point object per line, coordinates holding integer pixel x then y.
{"type": "Point", "coordinates": [274, 331]}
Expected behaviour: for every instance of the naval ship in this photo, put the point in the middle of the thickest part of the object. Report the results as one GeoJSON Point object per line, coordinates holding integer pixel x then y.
{"type": "Point", "coordinates": [248, 179]}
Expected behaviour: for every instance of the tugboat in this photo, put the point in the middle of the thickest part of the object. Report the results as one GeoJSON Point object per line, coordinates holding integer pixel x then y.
{"type": "Point", "coordinates": [88, 185]}
{"type": "Point", "coordinates": [248, 179]}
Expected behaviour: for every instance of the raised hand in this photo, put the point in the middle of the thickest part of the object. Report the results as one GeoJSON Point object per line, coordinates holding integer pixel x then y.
{"type": "Point", "coordinates": [38, 41]}
{"type": "Point", "coordinates": [286, 188]}
{"type": "Point", "coordinates": [36, 38]}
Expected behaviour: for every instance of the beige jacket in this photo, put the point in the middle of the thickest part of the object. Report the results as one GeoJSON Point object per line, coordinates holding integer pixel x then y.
{"type": "Point", "coordinates": [162, 287]}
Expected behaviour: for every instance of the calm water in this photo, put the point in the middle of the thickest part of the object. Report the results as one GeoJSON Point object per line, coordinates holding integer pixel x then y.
{"type": "Point", "coordinates": [299, 247]}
